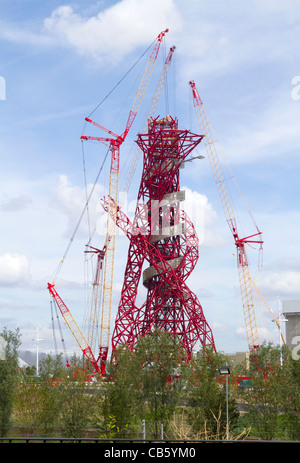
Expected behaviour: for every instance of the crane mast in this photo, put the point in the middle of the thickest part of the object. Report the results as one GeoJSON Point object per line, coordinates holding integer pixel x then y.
{"type": "Point", "coordinates": [114, 144]}
{"type": "Point", "coordinates": [241, 255]}
{"type": "Point", "coordinates": [97, 286]}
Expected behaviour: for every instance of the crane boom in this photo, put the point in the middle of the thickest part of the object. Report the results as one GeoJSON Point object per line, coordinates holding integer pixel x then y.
{"type": "Point", "coordinates": [151, 111]}
{"type": "Point", "coordinates": [242, 259]}
{"type": "Point", "coordinates": [143, 84]}
{"type": "Point", "coordinates": [112, 212]}
{"type": "Point", "coordinates": [269, 309]}
{"type": "Point", "coordinates": [70, 321]}
{"type": "Point", "coordinates": [115, 144]}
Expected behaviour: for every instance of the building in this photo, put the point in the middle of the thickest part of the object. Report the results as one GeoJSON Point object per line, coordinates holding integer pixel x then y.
{"type": "Point", "coordinates": [239, 358]}
{"type": "Point", "coordinates": [291, 311]}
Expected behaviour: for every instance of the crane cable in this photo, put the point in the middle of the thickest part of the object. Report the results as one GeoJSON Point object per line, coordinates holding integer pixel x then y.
{"type": "Point", "coordinates": [247, 207]}
{"type": "Point", "coordinates": [52, 300]}
{"type": "Point", "coordinates": [121, 80]}
{"type": "Point", "coordinates": [233, 177]}
{"type": "Point", "coordinates": [87, 197]}
{"type": "Point", "coordinates": [55, 274]}
{"type": "Point", "coordinates": [86, 193]}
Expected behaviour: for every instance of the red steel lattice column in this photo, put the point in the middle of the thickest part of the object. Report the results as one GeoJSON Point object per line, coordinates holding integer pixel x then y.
{"type": "Point", "coordinates": [163, 236]}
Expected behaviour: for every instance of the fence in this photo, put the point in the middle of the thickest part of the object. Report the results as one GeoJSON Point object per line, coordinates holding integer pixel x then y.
{"type": "Point", "coordinates": [179, 443]}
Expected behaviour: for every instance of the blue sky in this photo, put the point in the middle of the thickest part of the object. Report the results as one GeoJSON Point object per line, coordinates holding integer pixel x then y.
{"type": "Point", "coordinates": [59, 60]}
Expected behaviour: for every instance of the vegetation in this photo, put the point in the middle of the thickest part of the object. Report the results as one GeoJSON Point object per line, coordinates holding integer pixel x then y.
{"type": "Point", "coordinates": [145, 384]}
{"type": "Point", "coordinates": [8, 377]}
{"type": "Point", "coordinates": [152, 383]}
{"type": "Point", "coordinates": [273, 399]}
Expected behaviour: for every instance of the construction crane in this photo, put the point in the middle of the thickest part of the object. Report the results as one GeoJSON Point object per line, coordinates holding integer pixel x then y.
{"type": "Point", "coordinates": [241, 255]}
{"type": "Point", "coordinates": [114, 145]}
{"type": "Point", "coordinates": [95, 302]}
{"type": "Point", "coordinates": [88, 345]}
{"type": "Point", "coordinates": [150, 113]}
{"type": "Point", "coordinates": [275, 319]}
{"type": "Point", "coordinates": [76, 331]}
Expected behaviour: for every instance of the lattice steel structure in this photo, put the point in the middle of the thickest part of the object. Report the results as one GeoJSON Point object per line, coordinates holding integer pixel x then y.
{"type": "Point", "coordinates": [162, 235]}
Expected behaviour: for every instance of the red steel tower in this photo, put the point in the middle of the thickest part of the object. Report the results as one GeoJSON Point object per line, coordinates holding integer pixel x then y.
{"type": "Point", "coordinates": [162, 236]}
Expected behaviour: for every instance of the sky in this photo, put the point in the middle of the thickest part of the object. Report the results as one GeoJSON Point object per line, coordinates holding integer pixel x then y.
{"type": "Point", "coordinates": [61, 62]}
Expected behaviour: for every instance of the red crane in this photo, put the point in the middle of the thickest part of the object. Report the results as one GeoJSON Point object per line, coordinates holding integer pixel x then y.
{"type": "Point", "coordinates": [76, 331]}
{"type": "Point", "coordinates": [95, 302]}
{"type": "Point", "coordinates": [241, 254]}
{"type": "Point", "coordinates": [114, 142]}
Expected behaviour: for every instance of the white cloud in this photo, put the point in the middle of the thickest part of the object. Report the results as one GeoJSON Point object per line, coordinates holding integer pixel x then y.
{"type": "Point", "coordinates": [264, 333]}
{"type": "Point", "coordinates": [114, 32]}
{"type": "Point", "coordinates": [14, 269]}
{"type": "Point", "coordinates": [71, 200]}
{"type": "Point", "coordinates": [275, 131]}
{"type": "Point", "coordinates": [16, 34]}
{"type": "Point", "coordinates": [280, 274]}
{"type": "Point", "coordinates": [203, 216]}
{"type": "Point", "coordinates": [218, 327]}
{"type": "Point", "coordinates": [110, 35]}
{"type": "Point", "coordinates": [15, 203]}
{"type": "Point", "coordinates": [226, 37]}
{"type": "Point", "coordinates": [278, 6]}
{"type": "Point", "coordinates": [285, 283]}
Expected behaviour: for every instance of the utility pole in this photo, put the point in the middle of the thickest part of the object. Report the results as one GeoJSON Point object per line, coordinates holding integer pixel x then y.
{"type": "Point", "coordinates": [37, 351]}
{"type": "Point", "coordinates": [144, 429]}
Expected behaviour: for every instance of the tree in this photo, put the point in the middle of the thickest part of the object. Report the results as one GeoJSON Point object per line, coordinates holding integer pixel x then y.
{"type": "Point", "coordinates": [160, 356]}
{"type": "Point", "coordinates": [76, 404]}
{"type": "Point", "coordinates": [120, 395]}
{"type": "Point", "coordinates": [55, 404]}
{"type": "Point", "coordinates": [37, 407]}
{"type": "Point", "coordinates": [273, 398]}
{"type": "Point", "coordinates": [206, 395]}
{"type": "Point", "coordinates": [291, 397]}
{"type": "Point", "coordinates": [38, 400]}
{"type": "Point", "coordinates": [8, 377]}
{"type": "Point", "coordinates": [52, 368]}
{"type": "Point", "coordinates": [144, 384]}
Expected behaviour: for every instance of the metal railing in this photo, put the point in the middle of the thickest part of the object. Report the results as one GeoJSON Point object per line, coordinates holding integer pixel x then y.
{"type": "Point", "coordinates": [64, 440]}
